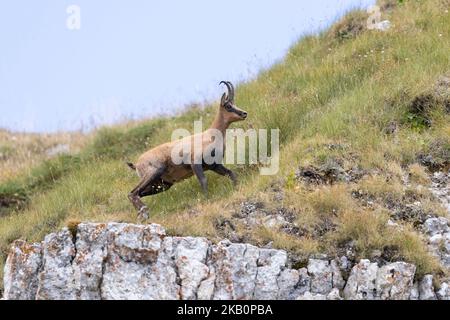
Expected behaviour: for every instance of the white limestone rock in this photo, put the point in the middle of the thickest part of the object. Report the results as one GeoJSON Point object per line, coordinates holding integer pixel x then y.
{"type": "Point", "coordinates": [270, 264]}
{"type": "Point", "coordinates": [334, 294]}
{"type": "Point", "coordinates": [140, 264]}
{"type": "Point", "coordinates": [21, 271]}
{"type": "Point", "coordinates": [128, 261]}
{"type": "Point", "coordinates": [395, 281]}
{"type": "Point", "coordinates": [311, 296]}
{"type": "Point", "coordinates": [433, 226]}
{"type": "Point", "coordinates": [414, 295]}
{"type": "Point", "coordinates": [426, 288]}
{"type": "Point", "coordinates": [444, 291]}
{"type": "Point", "coordinates": [321, 276]}
{"type": "Point", "coordinates": [89, 260]}
{"type": "Point", "coordinates": [56, 280]}
{"type": "Point", "coordinates": [361, 284]}
{"type": "Point", "coordinates": [235, 268]}
{"type": "Point", "coordinates": [190, 260]}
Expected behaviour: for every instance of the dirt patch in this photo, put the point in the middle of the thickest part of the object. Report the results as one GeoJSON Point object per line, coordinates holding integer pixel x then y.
{"type": "Point", "coordinates": [347, 249]}
{"type": "Point", "coordinates": [256, 214]}
{"type": "Point", "coordinates": [437, 156]}
{"type": "Point", "coordinates": [322, 228]}
{"type": "Point", "coordinates": [226, 229]}
{"type": "Point", "coordinates": [329, 173]}
{"type": "Point", "coordinates": [9, 203]}
{"type": "Point", "coordinates": [247, 208]}
{"type": "Point", "coordinates": [391, 128]}
{"type": "Point", "coordinates": [387, 255]}
{"type": "Point", "coordinates": [252, 214]}
{"type": "Point", "coordinates": [412, 213]}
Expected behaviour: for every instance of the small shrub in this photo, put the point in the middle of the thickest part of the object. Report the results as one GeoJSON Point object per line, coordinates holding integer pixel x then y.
{"type": "Point", "coordinates": [291, 181]}
{"type": "Point", "coordinates": [423, 108]}
{"type": "Point", "coordinates": [365, 228]}
{"type": "Point", "coordinates": [350, 26]}
{"type": "Point", "coordinates": [329, 201]}
{"type": "Point", "coordinates": [72, 225]}
{"type": "Point", "coordinates": [412, 249]}
{"type": "Point", "coordinates": [436, 156]}
{"type": "Point", "coordinates": [419, 112]}
{"type": "Point", "coordinates": [417, 174]}
{"type": "Point", "coordinates": [12, 197]}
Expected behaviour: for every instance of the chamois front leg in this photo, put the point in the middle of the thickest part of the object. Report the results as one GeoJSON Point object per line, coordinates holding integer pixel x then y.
{"type": "Point", "coordinates": [200, 174]}
{"type": "Point", "coordinates": [220, 169]}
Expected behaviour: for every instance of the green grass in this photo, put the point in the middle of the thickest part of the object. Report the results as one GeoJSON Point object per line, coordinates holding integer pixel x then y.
{"type": "Point", "coordinates": [332, 88]}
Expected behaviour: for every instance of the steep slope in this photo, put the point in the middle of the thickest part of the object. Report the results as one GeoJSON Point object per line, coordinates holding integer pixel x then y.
{"type": "Point", "coordinates": [364, 121]}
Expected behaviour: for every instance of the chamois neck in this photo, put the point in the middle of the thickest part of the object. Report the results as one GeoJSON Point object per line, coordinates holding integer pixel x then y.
{"type": "Point", "coordinates": [220, 123]}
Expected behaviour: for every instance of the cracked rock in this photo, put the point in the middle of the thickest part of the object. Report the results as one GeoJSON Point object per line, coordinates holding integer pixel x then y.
{"type": "Point", "coordinates": [127, 261]}
{"type": "Point", "coordinates": [395, 280]}
{"type": "Point", "coordinates": [56, 280]}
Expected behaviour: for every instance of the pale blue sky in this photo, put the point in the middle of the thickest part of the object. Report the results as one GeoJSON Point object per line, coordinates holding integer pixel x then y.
{"type": "Point", "coordinates": [139, 58]}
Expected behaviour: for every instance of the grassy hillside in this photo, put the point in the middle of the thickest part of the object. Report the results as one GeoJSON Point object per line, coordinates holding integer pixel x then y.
{"type": "Point", "coordinates": [366, 104]}
{"type": "Point", "coordinates": [19, 152]}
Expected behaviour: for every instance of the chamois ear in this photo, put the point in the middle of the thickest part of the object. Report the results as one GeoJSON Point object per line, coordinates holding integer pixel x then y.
{"type": "Point", "coordinates": [223, 100]}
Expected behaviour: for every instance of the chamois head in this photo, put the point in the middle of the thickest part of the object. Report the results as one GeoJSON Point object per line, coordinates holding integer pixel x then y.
{"type": "Point", "coordinates": [230, 111]}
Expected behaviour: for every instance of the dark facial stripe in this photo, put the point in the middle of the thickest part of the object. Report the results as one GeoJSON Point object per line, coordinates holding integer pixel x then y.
{"type": "Point", "coordinates": [230, 108]}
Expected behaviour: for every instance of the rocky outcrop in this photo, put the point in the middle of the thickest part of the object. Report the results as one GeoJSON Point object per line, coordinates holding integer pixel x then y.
{"type": "Point", "coordinates": [127, 261]}
{"type": "Point", "coordinates": [440, 187]}
{"type": "Point", "coordinates": [437, 231]}
{"type": "Point", "coordinates": [369, 281]}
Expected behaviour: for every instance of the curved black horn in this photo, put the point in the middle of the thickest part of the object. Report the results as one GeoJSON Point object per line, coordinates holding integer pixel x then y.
{"type": "Point", "coordinates": [232, 91]}
{"type": "Point", "coordinates": [230, 88]}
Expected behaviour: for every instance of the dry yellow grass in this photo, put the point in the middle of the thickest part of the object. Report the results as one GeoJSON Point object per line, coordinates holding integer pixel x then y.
{"type": "Point", "coordinates": [19, 152]}
{"type": "Point", "coordinates": [418, 174]}
{"type": "Point", "coordinates": [386, 188]}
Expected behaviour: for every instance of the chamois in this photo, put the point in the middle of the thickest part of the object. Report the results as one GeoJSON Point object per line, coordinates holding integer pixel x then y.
{"type": "Point", "coordinates": [158, 171]}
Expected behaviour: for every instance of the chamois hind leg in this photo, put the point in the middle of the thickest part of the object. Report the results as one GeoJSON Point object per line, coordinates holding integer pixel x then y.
{"type": "Point", "coordinates": [144, 188]}
{"type": "Point", "coordinates": [156, 187]}
{"type": "Point", "coordinates": [220, 169]}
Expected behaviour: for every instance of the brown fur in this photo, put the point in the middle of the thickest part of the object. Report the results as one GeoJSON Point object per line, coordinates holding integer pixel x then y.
{"type": "Point", "coordinates": [157, 170]}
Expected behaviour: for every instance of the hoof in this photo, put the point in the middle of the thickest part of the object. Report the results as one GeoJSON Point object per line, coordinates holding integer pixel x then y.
{"type": "Point", "coordinates": [143, 213]}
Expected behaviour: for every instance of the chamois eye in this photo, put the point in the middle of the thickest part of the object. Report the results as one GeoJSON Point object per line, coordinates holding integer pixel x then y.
{"type": "Point", "coordinates": [228, 107]}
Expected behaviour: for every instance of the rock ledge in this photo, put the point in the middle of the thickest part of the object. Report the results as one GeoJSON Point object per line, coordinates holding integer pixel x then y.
{"type": "Point", "coordinates": [127, 261]}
